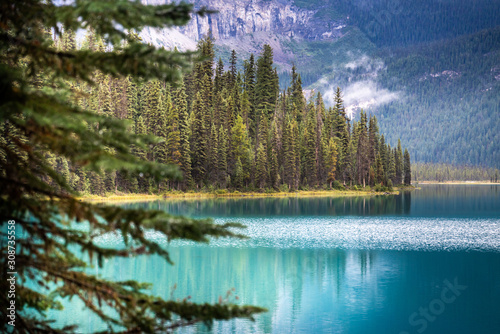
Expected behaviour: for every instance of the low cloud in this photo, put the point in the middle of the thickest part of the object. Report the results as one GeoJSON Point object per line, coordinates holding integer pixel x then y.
{"type": "Point", "coordinates": [366, 63]}
{"type": "Point", "coordinates": [362, 91]}
{"type": "Point", "coordinates": [367, 91]}
{"type": "Point", "coordinates": [363, 94]}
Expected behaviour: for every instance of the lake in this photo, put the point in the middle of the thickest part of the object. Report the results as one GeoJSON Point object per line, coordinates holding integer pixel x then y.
{"type": "Point", "coordinates": [426, 261]}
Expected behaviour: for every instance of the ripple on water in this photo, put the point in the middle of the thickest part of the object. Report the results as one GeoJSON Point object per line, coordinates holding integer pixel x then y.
{"type": "Point", "coordinates": [394, 233]}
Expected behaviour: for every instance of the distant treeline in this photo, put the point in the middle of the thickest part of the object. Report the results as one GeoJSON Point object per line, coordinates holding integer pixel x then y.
{"type": "Point", "coordinates": [445, 172]}
{"type": "Point", "coordinates": [227, 128]}
{"type": "Point", "coordinates": [407, 22]}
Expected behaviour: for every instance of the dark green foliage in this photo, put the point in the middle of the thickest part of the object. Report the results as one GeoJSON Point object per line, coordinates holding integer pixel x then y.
{"type": "Point", "coordinates": [451, 106]}
{"type": "Point", "coordinates": [184, 133]}
{"type": "Point", "coordinates": [261, 167]}
{"type": "Point", "coordinates": [310, 147]}
{"type": "Point", "coordinates": [398, 23]}
{"type": "Point", "coordinates": [46, 135]}
{"type": "Point", "coordinates": [407, 168]}
{"type": "Point", "coordinates": [398, 158]}
{"type": "Point", "coordinates": [443, 173]}
{"type": "Point", "coordinates": [199, 140]}
{"type": "Point", "coordinates": [267, 86]}
{"type": "Point", "coordinates": [213, 126]}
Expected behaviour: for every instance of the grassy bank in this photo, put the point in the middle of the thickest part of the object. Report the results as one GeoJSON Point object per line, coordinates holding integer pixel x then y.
{"type": "Point", "coordinates": [235, 194]}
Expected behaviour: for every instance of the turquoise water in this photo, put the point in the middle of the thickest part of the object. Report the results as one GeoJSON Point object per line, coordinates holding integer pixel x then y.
{"type": "Point", "coordinates": [421, 262]}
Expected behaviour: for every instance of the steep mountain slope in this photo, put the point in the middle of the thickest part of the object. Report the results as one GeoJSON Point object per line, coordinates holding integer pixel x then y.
{"type": "Point", "coordinates": [450, 111]}
{"type": "Point", "coordinates": [430, 70]}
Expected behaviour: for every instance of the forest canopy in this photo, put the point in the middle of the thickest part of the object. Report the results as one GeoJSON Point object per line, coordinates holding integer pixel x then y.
{"type": "Point", "coordinates": [232, 128]}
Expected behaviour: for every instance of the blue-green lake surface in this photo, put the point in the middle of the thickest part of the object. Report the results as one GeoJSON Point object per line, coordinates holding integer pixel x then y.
{"type": "Point", "coordinates": [426, 261]}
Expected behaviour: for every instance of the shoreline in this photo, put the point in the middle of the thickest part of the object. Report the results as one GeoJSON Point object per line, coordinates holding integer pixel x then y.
{"type": "Point", "coordinates": [457, 182]}
{"type": "Point", "coordinates": [235, 195]}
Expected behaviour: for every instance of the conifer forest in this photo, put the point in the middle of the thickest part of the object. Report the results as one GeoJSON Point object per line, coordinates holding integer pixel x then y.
{"type": "Point", "coordinates": [233, 128]}
{"type": "Point", "coordinates": [250, 166]}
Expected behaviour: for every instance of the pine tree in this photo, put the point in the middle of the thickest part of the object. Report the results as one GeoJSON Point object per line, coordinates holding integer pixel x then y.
{"type": "Point", "coordinates": [350, 161]}
{"type": "Point", "coordinates": [199, 140]}
{"type": "Point", "coordinates": [297, 95]}
{"type": "Point", "coordinates": [246, 109]}
{"type": "Point", "coordinates": [222, 157]}
{"type": "Point", "coordinates": [383, 150]}
{"type": "Point", "coordinates": [311, 147]}
{"type": "Point", "coordinates": [261, 167]}
{"type": "Point", "coordinates": [140, 129]}
{"type": "Point", "coordinates": [238, 174]}
{"type": "Point", "coordinates": [132, 100]}
{"type": "Point", "coordinates": [391, 171]}
{"type": "Point", "coordinates": [141, 153]}
{"type": "Point", "coordinates": [273, 149]}
{"type": "Point", "coordinates": [105, 97]}
{"type": "Point", "coordinates": [407, 168]}
{"type": "Point", "coordinates": [180, 109]}
{"type": "Point", "coordinates": [219, 73]}
{"type": "Point", "coordinates": [362, 156]}
{"type": "Point", "coordinates": [340, 129]}
{"type": "Point", "coordinates": [160, 150]}
{"type": "Point", "coordinates": [232, 70]}
{"type": "Point", "coordinates": [379, 170]}
{"type": "Point", "coordinates": [154, 108]}
{"type": "Point", "coordinates": [330, 158]}
{"type": "Point", "coordinates": [249, 88]}
{"type": "Point", "coordinates": [266, 87]}
{"type": "Point", "coordinates": [206, 46]}
{"type": "Point", "coordinates": [240, 147]}
{"type": "Point", "coordinates": [398, 158]}
{"type": "Point", "coordinates": [47, 258]}
{"type": "Point", "coordinates": [291, 153]}
{"type": "Point", "coordinates": [372, 142]}
{"type": "Point", "coordinates": [173, 139]}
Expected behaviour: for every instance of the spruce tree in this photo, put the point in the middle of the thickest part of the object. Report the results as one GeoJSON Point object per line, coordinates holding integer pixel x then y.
{"type": "Point", "coordinates": [238, 174]}
{"type": "Point", "coordinates": [172, 139]}
{"type": "Point", "coordinates": [273, 149]}
{"type": "Point", "coordinates": [249, 88]}
{"type": "Point", "coordinates": [266, 87]}
{"type": "Point", "coordinates": [340, 129]}
{"type": "Point", "coordinates": [222, 157]}
{"type": "Point", "coordinates": [311, 147]}
{"type": "Point", "coordinates": [398, 158]}
{"type": "Point", "coordinates": [297, 97]}
{"type": "Point", "coordinates": [240, 147]}
{"type": "Point", "coordinates": [219, 72]}
{"type": "Point", "coordinates": [407, 168]}
{"type": "Point", "coordinates": [180, 108]}
{"type": "Point", "coordinates": [379, 170]}
{"type": "Point", "coordinates": [291, 154]}
{"type": "Point", "coordinates": [154, 108]}
{"type": "Point", "coordinates": [362, 152]}
{"type": "Point", "coordinates": [261, 167]}
{"type": "Point", "coordinates": [232, 69]}
{"type": "Point", "coordinates": [391, 171]}
{"type": "Point", "coordinates": [199, 140]}
{"type": "Point", "coordinates": [330, 158]}
{"type": "Point", "coordinates": [56, 123]}
{"type": "Point", "coordinates": [132, 101]}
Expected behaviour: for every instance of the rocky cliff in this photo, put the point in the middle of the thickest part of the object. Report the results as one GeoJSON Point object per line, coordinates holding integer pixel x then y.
{"type": "Point", "coordinates": [245, 25]}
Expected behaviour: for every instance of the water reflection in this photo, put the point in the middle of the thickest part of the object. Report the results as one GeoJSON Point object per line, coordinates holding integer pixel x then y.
{"type": "Point", "coordinates": [320, 290]}
{"type": "Point", "coordinates": [288, 206]}
{"type": "Point", "coordinates": [429, 201]}
{"type": "Point", "coordinates": [333, 274]}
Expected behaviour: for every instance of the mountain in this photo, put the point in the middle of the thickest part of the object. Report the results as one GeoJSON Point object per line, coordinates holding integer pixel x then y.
{"type": "Point", "coordinates": [429, 70]}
